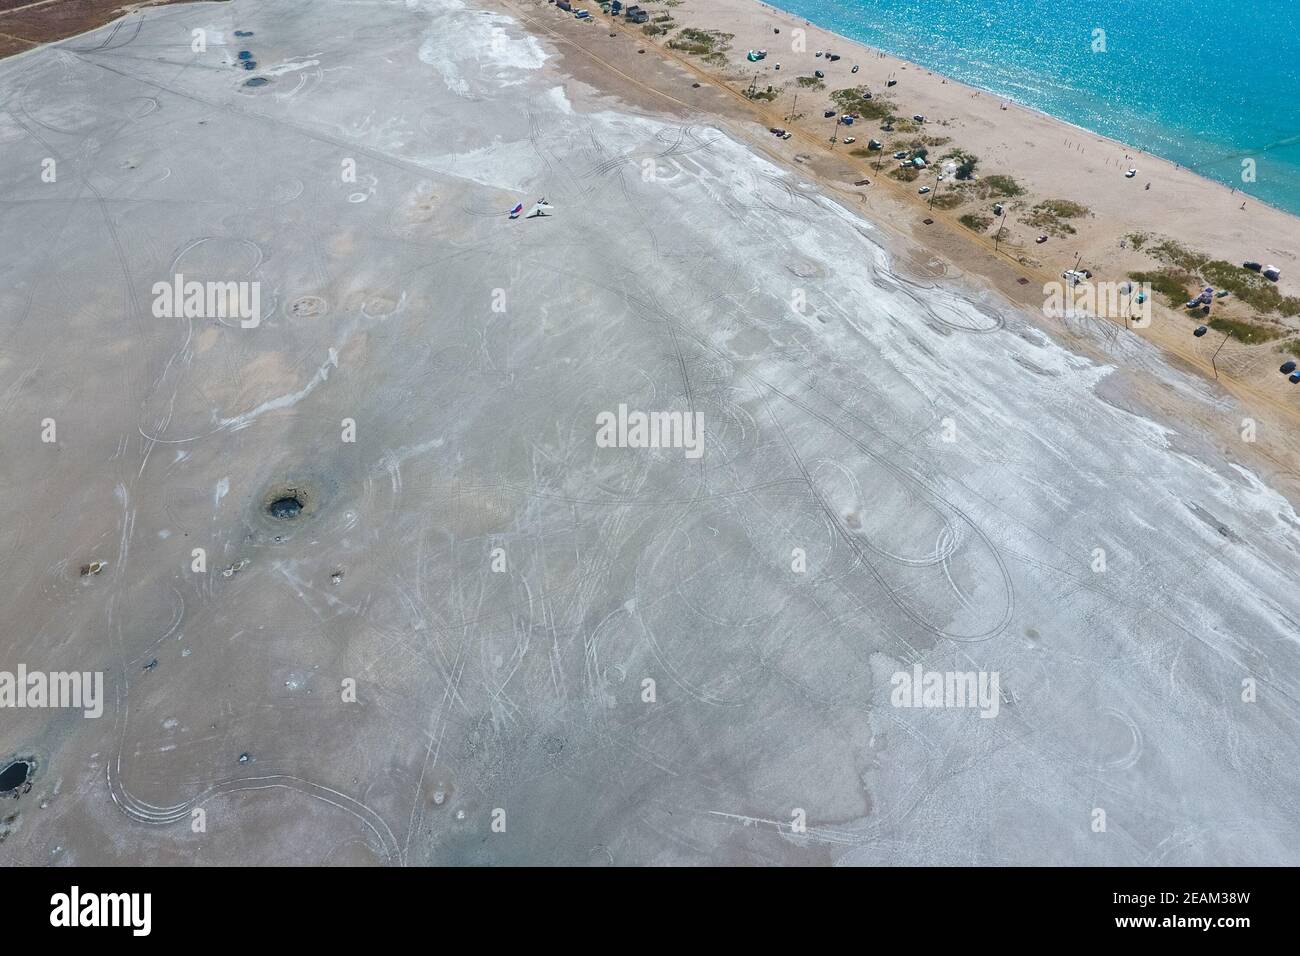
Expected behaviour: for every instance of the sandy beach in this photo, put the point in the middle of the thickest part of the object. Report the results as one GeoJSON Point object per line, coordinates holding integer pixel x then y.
{"type": "Point", "coordinates": [1050, 159]}
{"type": "Point", "coordinates": [366, 587]}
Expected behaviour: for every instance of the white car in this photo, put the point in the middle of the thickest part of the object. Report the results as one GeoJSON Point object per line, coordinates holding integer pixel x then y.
{"type": "Point", "coordinates": [923, 190]}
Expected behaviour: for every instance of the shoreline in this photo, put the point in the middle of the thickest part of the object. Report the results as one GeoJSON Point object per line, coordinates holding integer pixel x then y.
{"type": "Point", "coordinates": [1245, 372]}
{"type": "Point", "coordinates": [1028, 107]}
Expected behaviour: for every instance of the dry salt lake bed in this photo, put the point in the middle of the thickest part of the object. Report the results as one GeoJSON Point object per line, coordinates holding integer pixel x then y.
{"type": "Point", "coordinates": [474, 634]}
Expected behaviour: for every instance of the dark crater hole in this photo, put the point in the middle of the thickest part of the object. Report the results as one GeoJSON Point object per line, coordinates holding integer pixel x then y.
{"type": "Point", "coordinates": [288, 506]}
{"type": "Point", "coordinates": [14, 776]}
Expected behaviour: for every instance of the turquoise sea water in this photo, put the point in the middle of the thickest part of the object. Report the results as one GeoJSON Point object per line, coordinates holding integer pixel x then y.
{"type": "Point", "coordinates": [1204, 83]}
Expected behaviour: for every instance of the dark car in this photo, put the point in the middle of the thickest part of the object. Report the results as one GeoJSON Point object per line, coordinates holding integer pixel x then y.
{"type": "Point", "coordinates": [1295, 377]}
{"type": "Point", "coordinates": [1252, 266]}
{"type": "Point", "coordinates": [819, 74]}
{"type": "Point", "coordinates": [828, 114]}
{"type": "Point", "coordinates": [1200, 330]}
{"type": "Point", "coordinates": [1287, 368]}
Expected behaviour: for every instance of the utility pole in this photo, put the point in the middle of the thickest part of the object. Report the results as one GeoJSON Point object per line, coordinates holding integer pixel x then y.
{"type": "Point", "coordinates": [793, 107]}
{"type": "Point", "coordinates": [997, 236]}
{"type": "Point", "coordinates": [1213, 364]}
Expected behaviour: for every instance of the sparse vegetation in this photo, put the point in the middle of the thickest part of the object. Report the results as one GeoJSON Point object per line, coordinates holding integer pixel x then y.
{"type": "Point", "coordinates": [948, 200]}
{"type": "Point", "coordinates": [654, 29]}
{"type": "Point", "coordinates": [857, 100]}
{"type": "Point", "coordinates": [1249, 287]}
{"type": "Point", "coordinates": [1247, 332]}
{"type": "Point", "coordinates": [1170, 283]}
{"type": "Point", "coordinates": [966, 163]}
{"type": "Point", "coordinates": [907, 174]}
{"type": "Point", "coordinates": [975, 221]}
{"type": "Point", "coordinates": [810, 83]}
{"type": "Point", "coordinates": [1053, 215]}
{"type": "Point", "coordinates": [1002, 186]}
{"type": "Point", "coordinates": [709, 44]}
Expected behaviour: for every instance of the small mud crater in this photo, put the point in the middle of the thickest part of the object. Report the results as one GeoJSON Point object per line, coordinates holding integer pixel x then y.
{"type": "Point", "coordinates": [257, 81]}
{"type": "Point", "coordinates": [307, 307]}
{"type": "Point", "coordinates": [289, 502]}
{"type": "Point", "coordinates": [15, 778]}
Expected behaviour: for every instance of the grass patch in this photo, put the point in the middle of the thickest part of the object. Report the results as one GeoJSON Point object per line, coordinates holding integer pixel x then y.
{"type": "Point", "coordinates": [855, 100]}
{"type": "Point", "coordinates": [810, 83]}
{"type": "Point", "coordinates": [1174, 253]}
{"type": "Point", "coordinates": [768, 95]}
{"type": "Point", "coordinates": [654, 29]}
{"type": "Point", "coordinates": [948, 200]}
{"type": "Point", "coordinates": [919, 142]}
{"type": "Point", "coordinates": [1137, 240]}
{"type": "Point", "coordinates": [1170, 283]}
{"type": "Point", "coordinates": [906, 174]}
{"type": "Point", "coordinates": [1246, 332]}
{"type": "Point", "coordinates": [1250, 287]}
{"type": "Point", "coordinates": [703, 43]}
{"type": "Point", "coordinates": [975, 221]}
{"type": "Point", "coordinates": [993, 187]}
{"type": "Point", "coordinates": [1002, 186]}
{"type": "Point", "coordinates": [1053, 215]}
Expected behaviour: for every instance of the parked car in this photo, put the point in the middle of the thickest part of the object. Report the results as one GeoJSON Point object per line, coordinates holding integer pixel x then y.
{"type": "Point", "coordinates": [923, 190]}
{"type": "Point", "coordinates": [1200, 330]}
{"type": "Point", "coordinates": [1295, 377]}
{"type": "Point", "coordinates": [1287, 368]}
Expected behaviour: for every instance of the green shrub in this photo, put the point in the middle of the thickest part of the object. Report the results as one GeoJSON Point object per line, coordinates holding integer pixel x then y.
{"type": "Point", "coordinates": [1246, 332]}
